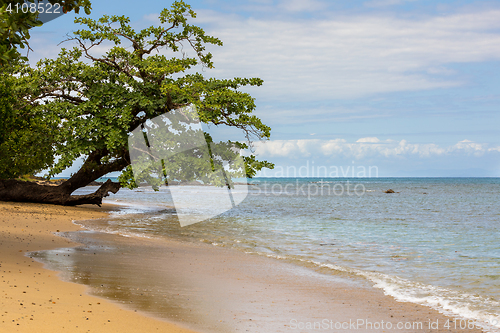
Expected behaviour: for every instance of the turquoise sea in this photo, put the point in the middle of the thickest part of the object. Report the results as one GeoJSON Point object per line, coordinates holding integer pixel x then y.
{"type": "Point", "coordinates": [434, 242]}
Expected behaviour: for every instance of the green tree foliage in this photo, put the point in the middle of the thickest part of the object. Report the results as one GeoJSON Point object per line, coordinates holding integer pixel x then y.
{"type": "Point", "coordinates": [25, 135]}
{"type": "Point", "coordinates": [98, 97]}
{"type": "Point", "coordinates": [15, 25]}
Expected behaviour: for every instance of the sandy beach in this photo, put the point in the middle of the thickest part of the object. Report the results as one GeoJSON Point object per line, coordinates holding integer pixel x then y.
{"type": "Point", "coordinates": [212, 289]}
{"type": "Point", "coordinates": [34, 299]}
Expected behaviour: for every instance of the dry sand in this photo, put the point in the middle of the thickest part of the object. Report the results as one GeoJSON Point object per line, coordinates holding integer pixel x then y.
{"type": "Point", "coordinates": [33, 299]}
{"type": "Point", "coordinates": [223, 289]}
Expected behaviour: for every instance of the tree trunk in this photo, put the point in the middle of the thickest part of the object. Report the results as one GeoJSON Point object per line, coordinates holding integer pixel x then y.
{"type": "Point", "coordinates": [23, 191]}
{"type": "Point", "coordinates": [92, 169]}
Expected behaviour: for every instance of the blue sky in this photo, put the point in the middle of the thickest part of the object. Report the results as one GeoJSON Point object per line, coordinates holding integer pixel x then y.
{"type": "Point", "coordinates": [409, 86]}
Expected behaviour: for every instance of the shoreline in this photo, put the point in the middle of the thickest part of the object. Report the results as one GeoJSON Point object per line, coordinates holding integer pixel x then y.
{"type": "Point", "coordinates": [240, 291]}
{"type": "Point", "coordinates": [35, 299]}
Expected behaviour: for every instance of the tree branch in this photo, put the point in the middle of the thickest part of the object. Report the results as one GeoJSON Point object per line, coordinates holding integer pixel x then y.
{"type": "Point", "coordinates": [96, 197]}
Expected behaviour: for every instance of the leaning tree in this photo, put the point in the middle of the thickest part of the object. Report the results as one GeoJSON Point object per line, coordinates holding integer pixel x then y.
{"type": "Point", "coordinates": [87, 101]}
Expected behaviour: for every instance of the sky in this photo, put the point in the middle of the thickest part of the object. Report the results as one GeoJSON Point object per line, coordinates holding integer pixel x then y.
{"type": "Point", "coordinates": [405, 88]}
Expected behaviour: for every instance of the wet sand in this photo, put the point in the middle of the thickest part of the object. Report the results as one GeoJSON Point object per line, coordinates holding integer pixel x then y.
{"type": "Point", "coordinates": [34, 299]}
{"type": "Point", "coordinates": [207, 288]}
{"type": "Point", "coordinates": [215, 289]}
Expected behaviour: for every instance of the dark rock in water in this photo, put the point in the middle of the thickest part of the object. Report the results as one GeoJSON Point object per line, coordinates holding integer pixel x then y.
{"type": "Point", "coordinates": [389, 191]}
{"type": "Point", "coordinates": [94, 183]}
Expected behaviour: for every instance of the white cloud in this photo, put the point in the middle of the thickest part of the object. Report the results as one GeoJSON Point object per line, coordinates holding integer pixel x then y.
{"type": "Point", "coordinates": [351, 56]}
{"type": "Point", "coordinates": [382, 3]}
{"type": "Point", "coordinates": [333, 147]}
{"type": "Point", "coordinates": [371, 139]}
{"type": "Point", "coordinates": [302, 5]}
{"type": "Point", "coordinates": [339, 56]}
{"type": "Point", "coordinates": [365, 147]}
{"type": "Point", "coordinates": [441, 71]}
{"type": "Point", "coordinates": [153, 17]}
{"type": "Point", "coordinates": [468, 147]}
{"type": "Point", "coordinates": [288, 148]}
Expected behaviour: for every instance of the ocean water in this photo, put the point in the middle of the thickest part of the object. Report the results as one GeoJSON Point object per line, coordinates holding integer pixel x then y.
{"type": "Point", "coordinates": [434, 242]}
